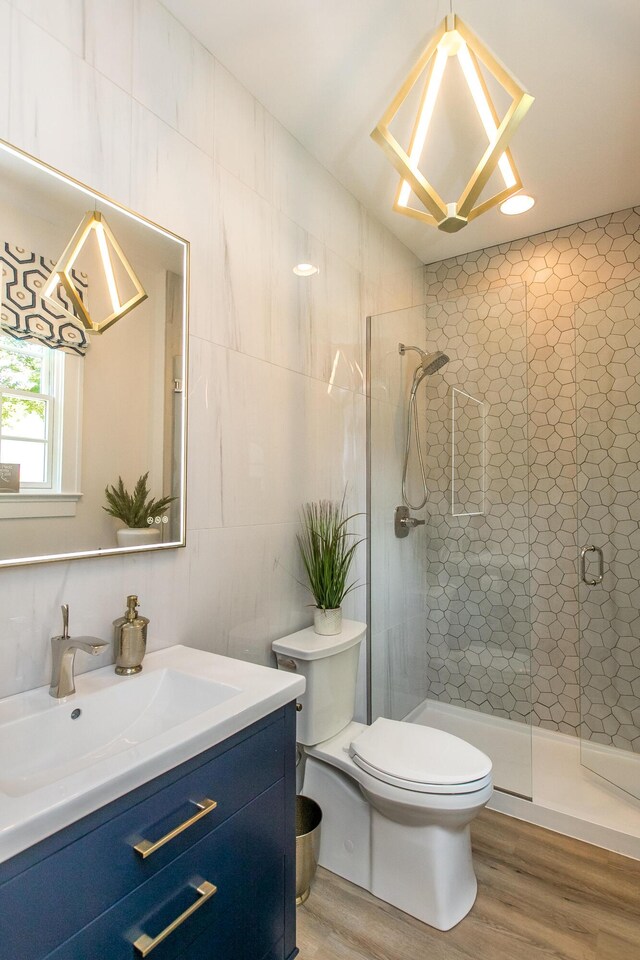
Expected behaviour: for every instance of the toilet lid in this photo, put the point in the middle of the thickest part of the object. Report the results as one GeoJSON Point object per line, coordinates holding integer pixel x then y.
{"type": "Point", "coordinates": [410, 755]}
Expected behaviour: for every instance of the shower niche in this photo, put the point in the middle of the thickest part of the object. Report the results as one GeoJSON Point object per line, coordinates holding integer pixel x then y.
{"type": "Point", "coordinates": [468, 454]}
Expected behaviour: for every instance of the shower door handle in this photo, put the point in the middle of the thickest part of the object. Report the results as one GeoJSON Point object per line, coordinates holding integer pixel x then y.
{"type": "Point", "coordinates": [591, 581]}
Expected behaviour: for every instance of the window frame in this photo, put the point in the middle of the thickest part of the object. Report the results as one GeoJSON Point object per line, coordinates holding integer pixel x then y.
{"type": "Point", "coordinates": [51, 375]}
{"type": "Point", "coordinates": [58, 496]}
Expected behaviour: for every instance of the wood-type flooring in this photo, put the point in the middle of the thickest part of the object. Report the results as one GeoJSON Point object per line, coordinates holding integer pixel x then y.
{"type": "Point", "coordinates": [541, 896]}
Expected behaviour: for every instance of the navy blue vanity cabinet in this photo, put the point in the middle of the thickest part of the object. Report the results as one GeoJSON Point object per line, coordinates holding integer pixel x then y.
{"type": "Point", "coordinates": [224, 886]}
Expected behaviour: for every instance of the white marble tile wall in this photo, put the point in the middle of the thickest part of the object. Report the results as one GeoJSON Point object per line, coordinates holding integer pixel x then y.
{"type": "Point", "coordinates": [113, 60]}
{"type": "Point", "coordinates": [5, 64]}
{"type": "Point", "coordinates": [181, 92]}
{"type": "Point", "coordinates": [120, 96]}
{"type": "Point", "coordinates": [56, 99]}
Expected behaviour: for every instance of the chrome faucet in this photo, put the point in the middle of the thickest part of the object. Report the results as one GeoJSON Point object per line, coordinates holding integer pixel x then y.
{"type": "Point", "coordinates": [63, 650]}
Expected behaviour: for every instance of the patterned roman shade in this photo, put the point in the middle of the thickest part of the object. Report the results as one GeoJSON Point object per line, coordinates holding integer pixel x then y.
{"type": "Point", "coordinates": [26, 315]}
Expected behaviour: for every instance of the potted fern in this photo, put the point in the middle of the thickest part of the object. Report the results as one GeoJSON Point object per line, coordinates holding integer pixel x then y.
{"type": "Point", "coordinates": [327, 549]}
{"type": "Point", "coordinates": [138, 511]}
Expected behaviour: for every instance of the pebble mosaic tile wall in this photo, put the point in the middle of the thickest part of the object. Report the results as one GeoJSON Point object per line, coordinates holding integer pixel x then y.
{"type": "Point", "coordinates": [608, 461]}
{"type": "Point", "coordinates": [560, 269]}
{"type": "Point", "coordinates": [477, 534]}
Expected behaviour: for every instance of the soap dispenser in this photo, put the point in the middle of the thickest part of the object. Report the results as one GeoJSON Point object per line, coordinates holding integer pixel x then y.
{"type": "Point", "coordinates": [130, 639]}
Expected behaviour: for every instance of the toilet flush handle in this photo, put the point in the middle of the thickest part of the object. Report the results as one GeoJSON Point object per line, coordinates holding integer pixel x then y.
{"type": "Point", "coordinates": [286, 663]}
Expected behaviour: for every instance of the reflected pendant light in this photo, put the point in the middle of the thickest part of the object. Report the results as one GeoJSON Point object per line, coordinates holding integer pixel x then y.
{"type": "Point", "coordinates": [454, 39]}
{"type": "Point", "coordinates": [94, 223]}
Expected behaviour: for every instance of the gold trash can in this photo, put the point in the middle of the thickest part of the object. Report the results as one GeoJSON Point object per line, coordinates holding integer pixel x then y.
{"type": "Point", "coordinates": [308, 820]}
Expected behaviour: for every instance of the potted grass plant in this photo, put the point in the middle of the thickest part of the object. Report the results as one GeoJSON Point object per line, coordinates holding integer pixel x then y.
{"type": "Point", "coordinates": [327, 549]}
{"type": "Point", "coordinates": [140, 513]}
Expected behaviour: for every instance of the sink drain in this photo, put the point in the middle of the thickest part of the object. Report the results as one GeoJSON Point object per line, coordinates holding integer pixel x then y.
{"type": "Point", "coordinates": [75, 713]}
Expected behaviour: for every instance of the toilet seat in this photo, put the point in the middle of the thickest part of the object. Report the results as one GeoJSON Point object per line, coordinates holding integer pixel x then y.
{"type": "Point", "coordinates": [420, 759]}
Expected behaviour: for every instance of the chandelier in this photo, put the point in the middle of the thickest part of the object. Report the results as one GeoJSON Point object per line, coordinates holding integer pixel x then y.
{"type": "Point", "coordinates": [108, 248]}
{"type": "Point", "coordinates": [454, 39]}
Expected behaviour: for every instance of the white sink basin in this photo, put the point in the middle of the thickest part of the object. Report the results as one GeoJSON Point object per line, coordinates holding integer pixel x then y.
{"type": "Point", "coordinates": [56, 768]}
{"type": "Point", "coordinates": [50, 744]}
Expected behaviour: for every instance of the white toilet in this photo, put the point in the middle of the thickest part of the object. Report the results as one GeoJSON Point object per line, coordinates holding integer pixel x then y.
{"type": "Point", "coordinates": [397, 798]}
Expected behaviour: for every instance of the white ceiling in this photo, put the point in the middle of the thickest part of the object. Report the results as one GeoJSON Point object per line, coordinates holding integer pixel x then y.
{"type": "Point", "coordinates": [328, 68]}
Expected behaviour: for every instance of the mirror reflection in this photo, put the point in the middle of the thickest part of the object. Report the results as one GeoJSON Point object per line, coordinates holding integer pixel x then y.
{"type": "Point", "coordinates": [93, 330]}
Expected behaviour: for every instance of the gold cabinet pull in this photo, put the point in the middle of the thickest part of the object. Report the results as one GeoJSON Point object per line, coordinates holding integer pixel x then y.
{"type": "Point", "coordinates": [145, 944]}
{"type": "Point", "coordinates": [145, 848]}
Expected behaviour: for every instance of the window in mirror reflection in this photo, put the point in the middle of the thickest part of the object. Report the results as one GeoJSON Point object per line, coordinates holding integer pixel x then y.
{"type": "Point", "coordinates": [32, 412]}
{"type": "Point", "coordinates": [27, 379]}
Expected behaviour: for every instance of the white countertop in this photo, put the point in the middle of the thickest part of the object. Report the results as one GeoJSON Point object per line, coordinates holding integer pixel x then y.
{"type": "Point", "coordinates": [35, 810]}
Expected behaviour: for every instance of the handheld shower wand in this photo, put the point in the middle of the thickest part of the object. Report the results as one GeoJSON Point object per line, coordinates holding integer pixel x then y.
{"type": "Point", "coordinates": [430, 363]}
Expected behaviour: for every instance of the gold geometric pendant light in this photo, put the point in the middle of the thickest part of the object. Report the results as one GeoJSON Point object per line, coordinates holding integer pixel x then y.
{"type": "Point", "coordinates": [454, 38]}
{"type": "Point", "coordinates": [95, 223]}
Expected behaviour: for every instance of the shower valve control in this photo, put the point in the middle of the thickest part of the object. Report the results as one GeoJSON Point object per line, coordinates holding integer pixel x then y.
{"type": "Point", "coordinates": [403, 523]}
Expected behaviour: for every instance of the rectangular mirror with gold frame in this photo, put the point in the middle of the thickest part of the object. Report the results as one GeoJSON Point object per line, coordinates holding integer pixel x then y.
{"type": "Point", "coordinates": [93, 361]}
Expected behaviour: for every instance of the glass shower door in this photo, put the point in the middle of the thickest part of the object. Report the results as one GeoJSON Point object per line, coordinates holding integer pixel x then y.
{"type": "Point", "coordinates": [397, 618]}
{"type": "Point", "coordinates": [449, 618]}
{"type": "Point", "coordinates": [608, 486]}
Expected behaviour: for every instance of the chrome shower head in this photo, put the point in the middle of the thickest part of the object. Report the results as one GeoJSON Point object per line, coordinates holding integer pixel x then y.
{"type": "Point", "coordinates": [433, 362]}
{"type": "Point", "coordinates": [429, 362]}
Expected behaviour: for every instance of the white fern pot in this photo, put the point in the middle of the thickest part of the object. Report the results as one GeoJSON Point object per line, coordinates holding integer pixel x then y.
{"type": "Point", "coordinates": [327, 622]}
{"type": "Point", "coordinates": [138, 536]}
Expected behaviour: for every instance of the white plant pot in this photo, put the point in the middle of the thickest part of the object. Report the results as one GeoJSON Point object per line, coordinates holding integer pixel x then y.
{"type": "Point", "coordinates": [327, 622]}
{"type": "Point", "coordinates": [138, 536]}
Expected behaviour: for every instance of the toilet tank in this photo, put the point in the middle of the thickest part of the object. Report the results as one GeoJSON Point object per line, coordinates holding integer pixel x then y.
{"type": "Point", "coordinates": [329, 666]}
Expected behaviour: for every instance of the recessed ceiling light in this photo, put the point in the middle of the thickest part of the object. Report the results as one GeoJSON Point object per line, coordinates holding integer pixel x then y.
{"type": "Point", "coordinates": [305, 270]}
{"type": "Point", "coordinates": [519, 203]}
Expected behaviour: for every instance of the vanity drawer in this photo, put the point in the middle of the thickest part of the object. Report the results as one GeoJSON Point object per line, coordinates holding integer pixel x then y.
{"type": "Point", "coordinates": [200, 949]}
{"type": "Point", "coordinates": [242, 920]}
{"type": "Point", "coordinates": [46, 904]}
